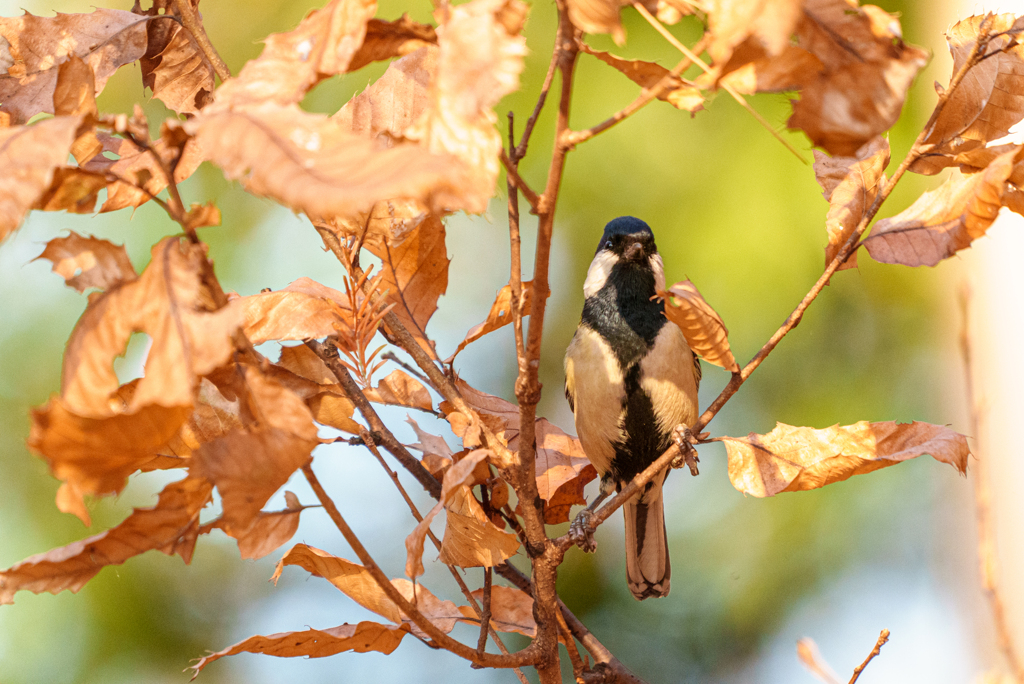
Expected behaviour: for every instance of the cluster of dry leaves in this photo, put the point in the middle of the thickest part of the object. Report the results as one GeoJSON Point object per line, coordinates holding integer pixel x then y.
{"type": "Point", "coordinates": [381, 174]}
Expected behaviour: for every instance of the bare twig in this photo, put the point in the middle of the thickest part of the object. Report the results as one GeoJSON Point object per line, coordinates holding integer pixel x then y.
{"type": "Point", "coordinates": [515, 278]}
{"type": "Point", "coordinates": [391, 356]}
{"type": "Point", "coordinates": [195, 27]}
{"type": "Point", "coordinates": [987, 557]}
{"type": "Point", "coordinates": [527, 656]}
{"type": "Point", "coordinates": [519, 151]}
{"type": "Point", "coordinates": [512, 173]}
{"type": "Point", "coordinates": [653, 21]}
{"type": "Point", "coordinates": [882, 638]}
{"type": "Point", "coordinates": [485, 614]}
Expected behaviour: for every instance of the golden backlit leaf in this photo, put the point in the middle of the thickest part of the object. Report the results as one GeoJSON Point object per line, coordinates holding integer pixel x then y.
{"type": "Point", "coordinates": [748, 27]}
{"type": "Point", "coordinates": [701, 325]}
{"type": "Point", "coordinates": [96, 455]}
{"type": "Point", "coordinates": [400, 389]}
{"type": "Point", "coordinates": [387, 39]}
{"type": "Point", "coordinates": [174, 66]}
{"type": "Point", "coordinates": [786, 71]}
{"type": "Point", "coordinates": [304, 310]}
{"type": "Point", "coordinates": [304, 362]}
{"type": "Point", "coordinates": [334, 410]}
{"type": "Point", "coordinates": [74, 93]}
{"type": "Point", "coordinates": [437, 455]}
{"type": "Point", "coordinates": [166, 302]}
{"type": "Point", "coordinates": [500, 416]}
{"type": "Point", "coordinates": [291, 63]}
{"type": "Point", "coordinates": [311, 164]}
{"type": "Point", "coordinates": [356, 582]}
{"type": "Point", "coordinates": [316, 643]}
{"type": "Point", "coordinates": [499, 316]}
{"type": "Point", "coordinates": [28, 157]}
{"type": "Point", "coordinates": [455, 478]}
{"type": "Point", "coordinates": [945, 220]}
{"type": "Point", "coordinates": [866, 72]}
{"type": "Point", "coordinates": [86, 262]}
{"type": "Point", "coordinates": [790, 459]}
{"type": "Point", "coordinates": [169, 527]}
{"type": "Point", "coordinates": [480, 59]}
{"type": "Point", "coordinates": [269, 531]}
{"type": "Point", "coordinates": [137, 166]}
{"type": "Point", "coordinates": [511, 610]}
{"type": "Point", "coordinates": [989, 99]}
{"type": "Point", "coordinates": [214, 415]}
{"type": "Point", "coordinates": [415, 275]}
{"type": "Point", "coordinates": [72, 190]}
{"type": "Point", "coordinates": [598, 16]}
{"type": "Point", "coordinates": [680, 94]}
{"type": "Point", "coordinates": [471, 540]}
{"type": "Point", "coordinates": [35, 47]}
{"type": "Point", "coordinates": [563, 469]}
{"type": "Point", "coordinates": [849, 185]}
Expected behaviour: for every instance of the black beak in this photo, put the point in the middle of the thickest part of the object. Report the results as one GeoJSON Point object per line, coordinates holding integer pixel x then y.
{"type": "Point", "coordinates": [633, 252]}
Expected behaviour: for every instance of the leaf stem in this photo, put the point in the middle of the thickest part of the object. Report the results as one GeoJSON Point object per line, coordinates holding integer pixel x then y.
{"type": "Point", "coordinates": [192, 23]}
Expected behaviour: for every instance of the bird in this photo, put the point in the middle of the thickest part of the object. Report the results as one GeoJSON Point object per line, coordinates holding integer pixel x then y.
{"type": "Point", "coordinates": [630, 379]}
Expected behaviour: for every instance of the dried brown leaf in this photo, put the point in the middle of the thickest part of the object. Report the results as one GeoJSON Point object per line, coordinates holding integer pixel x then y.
{"type": "Point", "coordinates": [400, 389]}
{"type": "Point", "coordinates": [356, 582]}
{"type": "Point", "coordinates": [167, 302]}
{"type": "Point", "coordinates": [303, 310]}
{"type": "Point", "coordinates": [501, 416]}
{"type": "Point", "coordinates": [498, 317]}
{"type": "Point", "coordinates": [786, 71]}
{"type": "Point", "coordinates": [680, 94]}
{"type": "Point", "coordinates": [850, 185]}
{"type": "Point", "coordinates": [989, 99]}
{"type": "Point", "coordinates": [304, 362]}
{"type": "Point", "coordinates": [316, 643]}
{"type": "Point", "coordinates": [74, 93]}
{"type": "Point", "coordinates": [28, 157]}
{"type": "Point", "coordinates": [72, 190]}
{"type": "Point", "coordinates": [866, 72]}
{"type": "Point", "coordinates": [334, 410]}
{"type": "Point", "coordinates": [511, 610]}
{"type": "Point", "coordinates": [387, 39]}
{"type": "Point", "coordinates": [701, 325]}
{"type": "Point", "coordinates": [86, 262]}
{"type": "Point", "coordinates": [174, 66]}
{"type": "Point", "coordinates": [415, 275]}
{"type": "Point", "coordinates": [170, 527]}
{"type": "Point", "coordinates": [762, 27]}
{"type": "Point", "coordinates": [471, 540]}
{"type": "Point", "coordinates": [598, 16]}
{"type": "Point", "coordinates": [269, 531]}
{"type": "Point", "coordinates": [563, 470]}
{"type": "Point", "coordinates": [213, 416]}
{"type": "Point", "coordinates": [455, 478]}
{"type": "Point", "coordinates": [35, 47]}
{"type": "Point", "coordinates": [945, 220]}
{"type": "Point", "coordinates": [790, 459]}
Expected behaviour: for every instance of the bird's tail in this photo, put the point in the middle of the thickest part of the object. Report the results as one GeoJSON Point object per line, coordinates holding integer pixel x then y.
{"type": "Point", "coordinates": [648, 568]}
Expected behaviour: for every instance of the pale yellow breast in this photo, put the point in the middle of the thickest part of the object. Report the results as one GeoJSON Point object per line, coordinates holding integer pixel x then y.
{"type": "Point", "coordinates": [667, 378]}
{"type": "Point", "coordinates": [594, 380]}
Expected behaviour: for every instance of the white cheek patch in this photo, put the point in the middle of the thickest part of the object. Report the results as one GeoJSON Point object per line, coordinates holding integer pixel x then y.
{"type": "Point", "coordinates": [600, 269]}
{"type": "Point", "coordinates": [658, 266]}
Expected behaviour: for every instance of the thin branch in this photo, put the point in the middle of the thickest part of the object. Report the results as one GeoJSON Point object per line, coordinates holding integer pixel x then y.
{"type": "Point", "coordinates": [647, 96]}
{"type": "Point", "coordinates": [527, 656]}
{"type": "Point", "coordinates": [195, 27]}
{"type": "Point", "coordinates": [987, 557]}
{"type": "Point", "coordinates": [485, 614]}
{"type": "Point", "coordinates": [391, 356]}
{"type": "Point", "coordinates": [519, 151]}
{"type": "Point", "coordinates": [328, 354]}
{"type": "Point", "coordinates": [653, 21]}
{"type": "Point", "coordinates": [882, 639]}
{"type": "Point", "coordinates": [515, 277]}
{"type": "Point", "coordinates": [512, 172]}
{"type": "Point", "coordinates": [918, 149]}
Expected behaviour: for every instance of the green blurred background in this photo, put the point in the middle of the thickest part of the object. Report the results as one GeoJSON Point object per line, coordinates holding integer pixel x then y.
{"type": "Point", "coordinates": [732, 210]}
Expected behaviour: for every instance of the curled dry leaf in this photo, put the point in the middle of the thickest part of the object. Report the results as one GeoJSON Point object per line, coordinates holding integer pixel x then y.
{"type": "Point", "coordinates": [511, 610]}
{"type": "Point", "coordinates": [387, 39]}
{"type": "Point", "coordinates": [174, 67]}
{"type": "Point", "coordinates": [679, 94]}
{"type": "Point", "coordinates": [945, 220]}
{"type": "Point", "coordinates": [471, 540]}
{"type": "Point", "coordinates": [751, 28]}
{"type": "Point", "coordinates": [786, 71]}
{"type": "Point", "coordinates": [866, 72]}
{"type": "Point", "coordinates": [311, 164]}
{"type": "Point", "coordinates": [437, 455]}
{"type": "Point", "coordinates": [168, 303]}
{"type": "Point", "coordinates": [214, 415]}
{"type": "Point", "coordinates": [74, 93]}
{"type": "Point", "coordinates": [989, 99]}
{"type": "Point", "coordinates": [598, 16]}
{"type": "Point", "coordinates": [562, 469]}
{"type": "Point", "coordinates": [400, 389]}
{"type": "Point", "coordinates": [499, 316]}
{"type": "Point", "coordinates": [72, 190]}
{"type": "Point", "coordinates": [701, 325]}
{"type": "Point", "coordinates": [791, 459]}
{"type": "Point", "coordinates": [171, 527]}
{"type": "Point", "coordinates": [304, 362]}
{"type": "Point", "coordinates": [142, 174]}
{"type": "Point", "coordinates": [316, 643]}
{"type": "Point", "coordinates": [291, 63]}
{"type": "Point", "coordinates": [849, 185]}
{"type": "Point", "coordinates": [356, 582]}
{"type": "Point", "coordinates": [455, 478]}
{"type": "Point", "coordinates": [86, 262]}
{"type": "Point", "coordinates": [304, 310]}
{"type": "Point", "coordinates": [35, 47]}
{"type": "Point", "coordinates": [28, 157]}
{"type": "Point", "coordinates": [269, 531]}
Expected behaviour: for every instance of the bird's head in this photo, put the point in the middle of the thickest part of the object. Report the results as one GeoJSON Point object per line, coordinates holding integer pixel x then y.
{"type": "Point", "coordinates": [628, 244]}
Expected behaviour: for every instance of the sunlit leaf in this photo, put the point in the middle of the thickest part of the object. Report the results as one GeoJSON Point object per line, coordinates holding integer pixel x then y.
{"type": "Point", "coordinates": [701, 325]}
{"type": "Point", "coordinates": [86, 262]}
{"type": "Point", "coordinates": [174, 66]}
{"type": "Point", "coordinates": [511, 610]}
{"type": "Point", "coordinates": [400, 389]}
{"type": "Point", "coordinates": [679, 94]}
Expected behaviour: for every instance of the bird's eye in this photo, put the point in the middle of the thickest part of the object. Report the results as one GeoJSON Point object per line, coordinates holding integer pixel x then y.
{"type": "Point", "coordinates": [608, 244]}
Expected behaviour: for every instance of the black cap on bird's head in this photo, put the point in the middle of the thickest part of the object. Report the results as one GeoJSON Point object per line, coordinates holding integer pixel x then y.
{"type": "Point", "coordinates": [629, 238]}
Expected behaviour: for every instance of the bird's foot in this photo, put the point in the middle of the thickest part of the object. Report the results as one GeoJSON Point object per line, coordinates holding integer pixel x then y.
{"type": "Point", "coordinates": [581, 533]}
{"type": "Point", "coordinates": [684, 439]}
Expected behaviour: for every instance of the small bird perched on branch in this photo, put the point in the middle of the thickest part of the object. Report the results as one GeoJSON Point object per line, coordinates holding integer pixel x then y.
{"type": "Point", "coordinates": [630, 378]}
